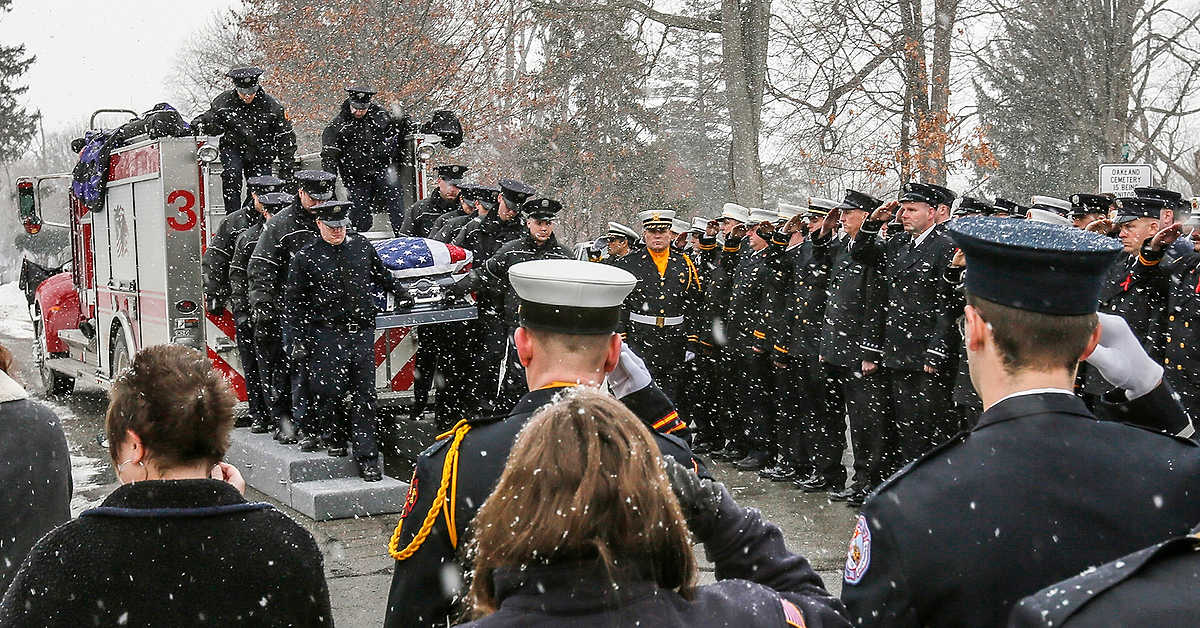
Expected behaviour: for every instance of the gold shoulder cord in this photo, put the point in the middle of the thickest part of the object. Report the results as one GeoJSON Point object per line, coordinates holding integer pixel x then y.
{"type": "Point", "coordinates": [449, 481]}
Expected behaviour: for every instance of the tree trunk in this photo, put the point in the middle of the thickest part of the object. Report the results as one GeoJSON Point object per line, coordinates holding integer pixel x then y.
{"type": "Point", "coordinates": [744, 96]}
{"type": "Point", "coordinates": [936, 134]}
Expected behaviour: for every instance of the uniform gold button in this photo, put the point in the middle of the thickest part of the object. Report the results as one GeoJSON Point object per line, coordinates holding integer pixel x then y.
{"type": "Point", "coordinates": [1166, 360]}
{"type": "Point", "coordinates": [1172, 317]}
{"type": "Point", "coordinates": [1168, 339]}
{"type": "Point", "coordinates": [1178, 367]}
{"type": "Point", "coordinates": [1181, 345]}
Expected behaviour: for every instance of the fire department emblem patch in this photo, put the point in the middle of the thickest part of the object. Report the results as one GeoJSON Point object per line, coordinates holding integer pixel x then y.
{"type": "Point", "coordinates": [410, 499]}
{"type": "Point", "coordinates": [858, 557]}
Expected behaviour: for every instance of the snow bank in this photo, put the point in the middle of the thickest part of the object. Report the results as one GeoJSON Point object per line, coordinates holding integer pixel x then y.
{"type": "Point", "coordinates": [14, 312]}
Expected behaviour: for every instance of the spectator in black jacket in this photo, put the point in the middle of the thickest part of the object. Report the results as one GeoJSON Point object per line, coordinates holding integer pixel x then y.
{"type": "Point", "coordinates": [35, 471]}
{"type": "Point", "coordinates": [177, 544]}
{"type": "Point", "coordinates": [603, 539]}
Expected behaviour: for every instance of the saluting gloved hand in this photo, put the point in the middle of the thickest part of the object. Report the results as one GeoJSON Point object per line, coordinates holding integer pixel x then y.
{"type": "Point", "coordinates": [631, 374]}
{"type": "Point", "coordinates": [1121, 359]}
{"type": "Point", "coordinates": [215, 306]}
{"type": "Point", "coordinates": [699, 499]}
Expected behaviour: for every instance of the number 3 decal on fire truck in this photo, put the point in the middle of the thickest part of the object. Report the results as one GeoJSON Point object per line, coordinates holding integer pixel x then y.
{"type": "Point", "coordinates": [185, 210]}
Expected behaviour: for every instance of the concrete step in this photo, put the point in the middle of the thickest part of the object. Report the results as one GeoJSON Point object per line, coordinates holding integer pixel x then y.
{"type": "Point", "coordinates": [320, 486]}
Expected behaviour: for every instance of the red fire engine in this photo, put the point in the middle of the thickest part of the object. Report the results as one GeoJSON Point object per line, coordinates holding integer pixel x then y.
{"type": "Point", "coordinates": [135, 274]}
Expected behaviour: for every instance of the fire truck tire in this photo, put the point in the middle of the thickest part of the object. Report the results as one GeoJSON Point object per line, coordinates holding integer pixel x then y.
{"type": "Point", "coordinates": [53, 382]}
{"type": "Point", "coordinates": [120, 353]}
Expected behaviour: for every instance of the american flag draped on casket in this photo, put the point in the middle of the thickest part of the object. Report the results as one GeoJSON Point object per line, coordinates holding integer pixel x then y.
{"type": "Point", "coordinates": [424, 265]}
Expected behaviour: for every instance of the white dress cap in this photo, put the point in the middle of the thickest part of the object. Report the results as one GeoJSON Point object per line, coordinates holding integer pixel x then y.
{"type": "Point", "coordinates": [1052, 204]}
{"type": "Point", "coordinates": [759, 214]}
{"type": "Point", "coordinates": [679, 226]}
{"type": "Point", "coordinates": [657, 217]}
{"type": "Point", "coordinates": [620, 229]}
{"type": "Point", "coordinates": [1042, 215]}
{"type": "Point", "coordinates": [733, 211]}
{"type": "Point", "coordinates": [787, 211]}
{"type": "Point", "coordinates": [700, 223]}
{"type": "Point", "coordinates": [572, 283]}
{"type": "Point", "coordinates": [826, 204]}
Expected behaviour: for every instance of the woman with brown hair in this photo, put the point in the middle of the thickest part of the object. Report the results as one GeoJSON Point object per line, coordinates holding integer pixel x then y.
{"type": "Point", "coordinates": [176, 544]}
{"type": "Point", "coordinates": [585, 527]}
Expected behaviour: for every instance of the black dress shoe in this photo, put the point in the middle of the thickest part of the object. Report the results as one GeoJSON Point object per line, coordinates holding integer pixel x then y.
{"type": "Point", "coordinates": [844, 494]}
{"type": "Point", "coordinates": [785, 473]}
{"type": "Point", "coordinates": [259, 426]}
{"type": "Point", "coordinates": [858, 499]}
{"type": "Point", "coordinates": [821, 485]}
{"type": "Point", "coordinates": [702, 447]}
{"type": "Point", "coordinates": [340, 451]}
{"type": "Point", "coordinates": [309, 443]}
{"type": "Point", "coordinates": [370, 471]}
{"type": "Point", "coordinates": [734, 454]}
{"type": "Point", "coordinates": [752, 462]}
{"type": "Point", "coordinates": [767, 473]}
{"type": "Point", "coordinates": [801, 482]}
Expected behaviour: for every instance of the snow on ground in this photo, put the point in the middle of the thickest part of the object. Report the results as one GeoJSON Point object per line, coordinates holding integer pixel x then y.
{"type": "Point", "coordinates": [14, 312]}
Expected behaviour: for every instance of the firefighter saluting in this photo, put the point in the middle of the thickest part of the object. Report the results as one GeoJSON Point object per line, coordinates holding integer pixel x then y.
{"type": "Point", "coordinates": [254, 132]}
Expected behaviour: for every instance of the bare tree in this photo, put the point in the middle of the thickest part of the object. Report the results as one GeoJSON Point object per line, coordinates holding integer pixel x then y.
{"type": "Point", "coordinates": [199, 66]}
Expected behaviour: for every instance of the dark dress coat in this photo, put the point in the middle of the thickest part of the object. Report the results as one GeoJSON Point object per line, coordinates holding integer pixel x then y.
{"type": "Point", "coordinates": [419, 595]}
{"type": "Point", "coordinates": [1157, 587]}
{"type": "Point", "coordinates": [1138, 297]}
{"type": "Point", "coordinates": [760, 583]}
{"type": "Point", "coordinates": [172, 553]}
{"type": "Point", "coordinates": [281, 239]}
{"type": "Point", "coordinates": [35, 475]}
{"type": "Point", "coordinates": [359, 149]}
{"type": "Point", "coordinates": [260, 130]}
{"type": "Point", "coordinates": [419, 217]}
{"type": "Point", "coordinates": [221, 251]}
{"type": "Point", "coordinates": [1037, 491]}
{"type": "Point", "coordinates": [851, 287]}
{"type": "Point", "coordinates": [1175, 330]}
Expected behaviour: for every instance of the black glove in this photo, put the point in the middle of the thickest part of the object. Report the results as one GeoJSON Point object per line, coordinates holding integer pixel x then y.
{"type": "Point", "coordinates": [262, 316]}
{"type": "Point", "coordinates": [297, 351]}
{"type": "Point", "coordinates": [404, 300]}
{"type": "Point", "coordinates": [215, 306]}
{"type": "Point", "coordinates": [699, 499]}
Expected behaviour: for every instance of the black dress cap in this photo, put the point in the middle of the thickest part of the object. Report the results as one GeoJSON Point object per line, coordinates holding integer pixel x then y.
{"type": "Point", "coordinates": [1173, 199]}
{"type": "Point", "coordinates": [451, 173]}
{"type": "Point", "coordinates": [1134, 207]}
{"type": "Point", "coordinates": [926, 193]}
{"type": "Point", "coordinates": [265, 184]}
{"type": "Point", "coordinates": [1084, 204]}
{"type": "Point", "coordinates": [334, 213]}
{"type": "Point", "coordinates": [541, 208]}
{"type": "Point", "coordinates": [515, 193]}
{"type": "Point", "coordinates": [1034, 266]}
{"type": "Point", "coordinates": [317, 183]}
{"type": "Point", "coordinates": [1003, 205]}
{"type": "Point", "coordinates": [971, 206]}
{"type": "Point", "coordinates": [245, 79]}
{"type": "Point", "coordinates": [275, 200]}
{"type": "Point", "coordinates": [858, 200]}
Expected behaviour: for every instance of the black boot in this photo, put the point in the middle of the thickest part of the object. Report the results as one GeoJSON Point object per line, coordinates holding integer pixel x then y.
{"type": "Point", "coordinates": [310, 443]}
{"type": "Point", "coordinates": [369, 471]}
{"type": "Point", "coordinates": [260, 425]}
{"type": "Point", "coordinates": [337, 450]}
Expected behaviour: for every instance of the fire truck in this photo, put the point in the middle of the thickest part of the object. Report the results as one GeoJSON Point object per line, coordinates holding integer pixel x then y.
{"type": "Point", "coordinates": [134, 279]}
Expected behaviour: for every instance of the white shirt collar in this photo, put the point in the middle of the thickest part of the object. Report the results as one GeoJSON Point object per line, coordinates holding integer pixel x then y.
{"type": "Point", "coordinates": [1033, 391]}
{"type": "Point", "coordinates": [921, 238]}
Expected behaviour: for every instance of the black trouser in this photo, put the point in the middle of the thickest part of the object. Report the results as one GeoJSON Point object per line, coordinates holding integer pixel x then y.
{"type": "Point", "coordinates": [863, 398]}
{"type": "Point", "coordinates": [493, 340]}
{"type": "Point", "coordinates": [341, 388]}
{"type": "Point", "coordinates": [235, 165]}
{"type": "Point", "coordinates": [376, 194]}
{"type": "Point", "coordinates": [455, 382]}
{"type": "Point", "coordinates": [662, 349]}
{"type": "Point", "coordinates": [824, 430]}
{"type": "Point", "coordinates": [429, 347]}
{"type": "Point", "coordinates": [792, 409]}
{"type": "Point", "coordinates": [698, 399]}
{"type": "Point", "coordinates": [275, 373]}
{"type": "Point", "coordinates": [754, 425]}
{"type": "Point", "coordinates": [513, 385]}
{"type": "Point", "coordinates": [256, 397]}
{"type": "Point", "coordinates": [923, 415]}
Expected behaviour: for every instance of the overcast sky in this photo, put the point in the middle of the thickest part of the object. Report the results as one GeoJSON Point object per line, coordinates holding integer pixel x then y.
{"type": "Point", "coordinates": [94, 54]}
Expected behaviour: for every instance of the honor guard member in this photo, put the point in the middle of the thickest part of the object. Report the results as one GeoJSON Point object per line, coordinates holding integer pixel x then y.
{"type": "Point", "coordinates": [221, 248]}
{"type": "Point", "coordinates": [359, 145]}
{"type": "Point", "coordinates": [1038, 489]}
{"type": "Point", "coordinates": [1137, 297]}
{"type": "Point", "coordinates": [1009, 209]}
{"type": "Point", "coordinates": [1088, 208]}
{"type": "Point", "coordinates": [569, 313]}
{"type": "Point", "coordinates": [663, 309]}
{"type": "Point", "coordinates": [679, 234]}
{"type": "Point", "coordinates": [966, 401]}
{"type": "Point", "coordinates": [491, 278]}
{"type": "Point", "coordinates": [282, 237]}
{"type": "Point", "coordinates": [853, 286]}
{"type": "Point", "coordinates": [1152, 588]}
{"type": "Point", "coordinates": [477, 201]}
{"type": "Point", "coordinates": [485, 235]}
{"type": "Point", "coordinates": [331, 311]}
{"type": "Point", "coordinates": [418, 219]}
{"type": "Point", "coordinates": [1175, 329]}
{"type": "Point", "coordinates": [1176, 209]}
{"type": "Point", "coordinates": [257, 394]}
{"type": "Point", "coordinates": [254, 130]}
{"type": "Point", "coordinates": [620, 241]}
{"type": "Point", "coordinates": [916, 343]}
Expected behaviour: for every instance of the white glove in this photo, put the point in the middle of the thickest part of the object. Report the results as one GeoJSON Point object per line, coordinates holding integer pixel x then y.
{"type": "Point", "coordinates": [1121, 359]}
{"type": "Point", "coordinates": [631, 374]}
{"type": "Point", "coordinates": [688, 356]}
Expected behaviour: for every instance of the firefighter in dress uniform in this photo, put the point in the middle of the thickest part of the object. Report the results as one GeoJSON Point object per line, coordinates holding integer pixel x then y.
{"type": "Point", "coordinates": [282, 237]}
{"type": "Point", "coordinates": [662, 311]}
{"type": "Point", "coordinates": [419, 217]}
{"type": "Point", "coordinates": [1088, 208]}
{"type": "Point", "coordinates": [331, 312]}
{"type": "Point", "coordinates": [257, 375]}
{"type": "Point", "coordinates": [359, 146]}
{"type": "Point", "coordinates": [620, 242]}
{"type": "Point", "coordinates": [476, 201]}
{"type": "Point", "coordinates": [254, 129]}
{"type": "Point", "coordinates": [569, 313]}
{"type": "Point", "coordinates": [220, 249]}
{"type": "Point", "coordinates": [1038, 489]}
{"type": "Point", "coordinates": [491, 279]}
{"type": "Point", "coordinates": [484, 235]}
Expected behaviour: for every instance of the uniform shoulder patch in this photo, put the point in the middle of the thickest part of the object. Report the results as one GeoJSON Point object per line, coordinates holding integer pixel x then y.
{"type": "Point", "coordinates": [858, 557]}
{"type": "Point", "coordinates": [792, 615]}
{"type": "Point", "coordinates": [410, 499]}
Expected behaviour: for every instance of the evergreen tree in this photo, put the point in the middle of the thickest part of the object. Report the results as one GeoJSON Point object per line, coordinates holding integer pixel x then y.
{"type": "Point", "coordinates": [17, 124]}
